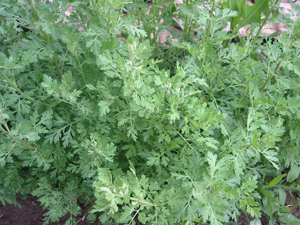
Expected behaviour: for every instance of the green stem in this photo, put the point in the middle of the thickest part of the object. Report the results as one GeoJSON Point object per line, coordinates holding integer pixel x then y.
{"type": "Point", "coordinates": [82, 73]}
{"type": "Point", "coordinates": [6, 127]}
{"type": "Point", "coordinates": [18, 89]}
{"type": "Point", "coordinates": [289, 146]}
{"type": "Point", "coordinates": [31, 3]}
{"type": "Point", "coordinates": [208, 28]}
{"type": "Point", "coordinates": [15, 87]}
{"type": "Point", "coordinates": [286, 187]}
{"type": "Point", "coordinates": [12, 136]}
{"type": "Point", "coordinates": [264, 21]}
{"type": "Point", "coordinates": [29, 147]}
{"type": "Point", "coordinates": [245, 146]}
{"type": "Point", "coordinates": [184, 139]}
{"type": "Point", "coordinates": [186, 25]}
{"type": "Point", "coordinates": [81, 70]}
{"type": "Point", "coordinates": [139, 12]}
{"type": "Point", "coordinates": [18, 163]}
{"type": "Point", "coordinates": [238, 115]}
{"type": "Point", "coordinates": [154, 21]}
{"type": "Point", "coordinates": [211, 15]}
{"type": "Point", "coordinates": [3, 131]}
{"type": "Point", "coordinates": [108, 30]}
{"type": "Point", "coordinates": [270, 77]}
{"type": "Point", "coordinates": [142, 201]}
{"type": "Point", "coordinates": [276, 69]}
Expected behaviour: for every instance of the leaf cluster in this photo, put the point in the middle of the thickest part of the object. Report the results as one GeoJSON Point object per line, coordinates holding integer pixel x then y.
{"type": "Point", "coordinates": [94, 109]}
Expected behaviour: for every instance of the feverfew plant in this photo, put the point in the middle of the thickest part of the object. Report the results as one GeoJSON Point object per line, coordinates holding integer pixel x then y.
{"type": "Point", "coordinates": [94, 109]}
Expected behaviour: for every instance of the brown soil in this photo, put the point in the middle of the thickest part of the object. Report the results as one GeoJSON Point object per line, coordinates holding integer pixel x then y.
{"type": "Point", "coordinates": [32, 213]}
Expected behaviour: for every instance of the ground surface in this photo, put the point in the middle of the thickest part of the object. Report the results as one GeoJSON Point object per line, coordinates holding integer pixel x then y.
{"type": "Point", "coordinates": [32, 213]}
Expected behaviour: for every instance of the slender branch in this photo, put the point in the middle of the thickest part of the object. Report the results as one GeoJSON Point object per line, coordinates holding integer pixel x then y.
{"type": "Point", "coordinates": [186, 26]}
{"type": "Point", "coordinates": [81, 70]}
{"type": "Point", "coordinates": [12, 136]}
{"type": "Point", "coordinates": [264, 21]}
{"type": "Point", "coordinates": [31, 3]}
{"type": "Point", "coordinates": [29, 147]}
{"type": "Point", "coordinates": [142, 201]}
{"type": "Point", "coordinates": [286, 187]}
{"type": "Point", "coordinates": [270, 77]}
{"type": "Point", "coordinates": [3, 131]}
{"type": "Point", "coordinates": [155, 41]}
{"type": "Point", "coordinates": [244, 94]}
{"type": "Point", "coordinates": [289, 146]}
{"type": "Point", "coordinates": [211, 15]}
{"type": "Point", "coordinates": [18, 89]}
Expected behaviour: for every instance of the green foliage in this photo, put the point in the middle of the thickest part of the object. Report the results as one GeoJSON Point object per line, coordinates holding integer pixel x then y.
{"type": "Point", "coordinates": [94, 108]}
{"type": "Point", "coordinates": [91, 218]}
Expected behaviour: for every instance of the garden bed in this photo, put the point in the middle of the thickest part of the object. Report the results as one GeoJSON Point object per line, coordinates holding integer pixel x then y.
{"type": "Point", "coordinates": [31, 212]}
{"type": "Point", "coordinates": [149, 130]}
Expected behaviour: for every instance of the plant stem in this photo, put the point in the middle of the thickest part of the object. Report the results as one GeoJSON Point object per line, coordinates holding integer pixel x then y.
{"type": "Point", "coordinates": [264, 21]}
{"type": "Point", "coordinates": [154, 21]}
{"type": "Point", "coordinates": [276, 69]}
{"type": "Point", "coordinates": [18, 89]}
{"type": "Point", "coordinates": [31, 3]}
{"type": "Point", "coordinates": [186, 25]}
{"type": "Point", "coordinates": [4, 131]}
{"type": "Point", "coordinates": [289, 146]}
{"type": "Point", "coordinates": [81, 70]}
{"type": "Point", "coordinates": [142, 201]}
{"type": "Point", "coordinates": [285, 187]}
{"type": "Point", "coordinates": [15, 87]}
{"type": "Point", "coordinates": [270, 77]}
{"type": "Point", "coordinates": [208, 28]}
{"type": "Point", "coordinates": [29, 147]}
{"type": "Point", "coordinates": [11, 136]}
{"type": "Point", "coordinates": [238, 115]}
{"type": "Point", "coordinates": [211, 15]}
{"type": "Point", "coordinates": [82, 73]}
{"type": "Point", "coordinates": [138, 13]}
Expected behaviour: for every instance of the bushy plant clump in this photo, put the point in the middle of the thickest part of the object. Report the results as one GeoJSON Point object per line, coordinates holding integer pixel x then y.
{"type": "Point", "coordinates": [94, 109]}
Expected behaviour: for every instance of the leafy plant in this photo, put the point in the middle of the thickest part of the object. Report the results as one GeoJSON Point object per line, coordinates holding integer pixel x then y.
{"type": "Point", "coordinates": [94, 107]}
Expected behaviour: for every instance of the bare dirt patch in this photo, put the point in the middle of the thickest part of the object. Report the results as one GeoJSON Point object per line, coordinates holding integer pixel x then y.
{"type": "Point", "coordinates": [32, 213]}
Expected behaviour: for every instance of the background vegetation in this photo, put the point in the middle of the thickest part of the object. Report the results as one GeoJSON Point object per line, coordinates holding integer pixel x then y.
{"type": "Point", "coordinates": [94, 109]}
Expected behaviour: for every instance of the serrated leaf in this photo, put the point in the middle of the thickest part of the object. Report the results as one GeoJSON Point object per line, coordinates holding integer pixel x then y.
{"type": "Point", "coordinates": [142, 218]}
{"type": "Point", "coordinates": [67, 137]}
{"type": "Point", "coordinates": [210, 142]}
{"type": "Point", "coordinates": [32, 136]}
{"type": "Point", "coordinates": [104, 108]}
{"type": "Point", "coordinates": [212, 159]}
{"type": "Point", "coordinates": [104, 177]}
{"type": "Point", "coordinates": [271, 156]}
{"type": "Point", "coordinates": [91, 87]}
{"type": "Point", "coordinates": [253, 13]}
{"type": "Point", "coordinates": [131, 131]}
{"type": "Point", "coordinates": [153, 161]}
